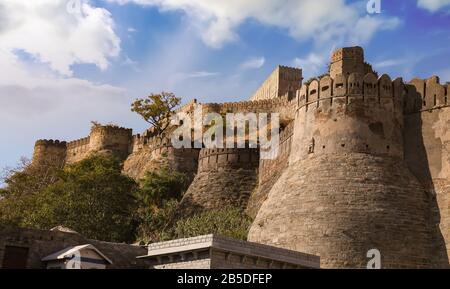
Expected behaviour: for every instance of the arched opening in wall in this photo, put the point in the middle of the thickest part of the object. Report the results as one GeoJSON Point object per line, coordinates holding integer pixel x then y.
{"type": "Point", "coordinates": [388, 147]}
{"type": "Point", "coordinates": [435, 100]}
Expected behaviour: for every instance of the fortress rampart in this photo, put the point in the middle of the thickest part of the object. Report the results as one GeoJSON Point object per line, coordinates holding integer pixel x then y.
{"type": "Point", "coordinates": [270, 170]}
{"type": "Point", "coordinates": [348, 188]}
{"type": "Point", "coordinates": [77, 150]}
{"type": "Point", "coordinates": [225, 177]}
{"type": "Point", "coordinates": [349, 114]}
{"type": "Point", "coordinates": [115, 140]}
{"type": "Point", "coordinates": [427, 120]}
{"type": "Point", "coordinates": [155, 153]}
{"type": "Point", "coordinates": [48, 152]}
{"type": "Point", "coordinates": [363, 164]}
{"type": "Point", "coordinates": [282, 81]}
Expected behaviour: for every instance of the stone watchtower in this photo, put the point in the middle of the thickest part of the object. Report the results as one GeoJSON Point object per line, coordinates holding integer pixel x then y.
{"type": "Point", "coordinates": [49, 152]}
{"type": "Point", "coordinates": [347, 189]}
{"type": "Point", "coordinates": [111, 139]}
{"type": "Point", "coordinates": [347, 60]}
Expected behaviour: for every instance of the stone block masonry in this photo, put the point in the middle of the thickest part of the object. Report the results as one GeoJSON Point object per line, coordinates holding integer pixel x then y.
{"type": "Point", "coordinates": [217, 252]}
{"type": "Point", "coordinates": [364, 164]}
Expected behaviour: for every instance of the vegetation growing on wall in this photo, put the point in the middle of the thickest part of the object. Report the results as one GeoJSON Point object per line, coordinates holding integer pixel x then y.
{"type": "Point", "coordinates": [158, 198]}
{"type": "Point", "coordinates": [229, 222]}
{"type": "Point", "coordinates": [156, 109]}
{"type": "Point", "coordinates": [95, 199]}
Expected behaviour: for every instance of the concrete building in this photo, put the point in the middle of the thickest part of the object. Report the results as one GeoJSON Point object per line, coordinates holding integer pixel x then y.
{"type": "Point", "coordinates": [216, 252]}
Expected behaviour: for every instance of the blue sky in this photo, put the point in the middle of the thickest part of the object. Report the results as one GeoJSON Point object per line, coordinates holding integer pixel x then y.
{"type": "Point", "coordinates": [61, 68]}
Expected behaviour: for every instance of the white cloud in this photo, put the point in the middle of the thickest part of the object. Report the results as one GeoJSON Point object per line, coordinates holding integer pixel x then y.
{"type": "Point", "coordinates": [40, 98]}
{"type": "Point", "coordinates": [313, 64]}
{"type": "Point", "coordinates": [324, 20]}
{"type": "Point", "coordinates": [253, 63]}
{"type": "Point", "coordinates": [56, 35]}
{"type": "Point", "coordinates": [182, 76]}
{"type": "Point", "coordinates": [389, 63]}
{"type": "Point", "coordinates": [433, 5]}
{"type": "Point", "coordinates": [367, 26]}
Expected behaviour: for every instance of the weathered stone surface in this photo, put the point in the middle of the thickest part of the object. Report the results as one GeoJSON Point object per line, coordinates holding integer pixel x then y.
{"type": "Point", "coordinates": [226, 177]}
{"type": "Point", "coordinates": [41, 243]}
{"type": "Point", "coordinates": [340, 182]}
{"type": "Point", "coordinates": [341, 206]}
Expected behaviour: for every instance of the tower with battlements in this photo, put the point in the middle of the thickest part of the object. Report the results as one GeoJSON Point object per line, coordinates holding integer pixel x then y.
{"type": "Point", "coordinates": [363, 163]}
{"type": "Point", "coordinates": [348, 187]}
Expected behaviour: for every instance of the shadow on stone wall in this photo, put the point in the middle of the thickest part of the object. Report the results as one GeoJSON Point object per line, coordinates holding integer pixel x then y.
{"type": "Point", "coordinates": [418, 163]}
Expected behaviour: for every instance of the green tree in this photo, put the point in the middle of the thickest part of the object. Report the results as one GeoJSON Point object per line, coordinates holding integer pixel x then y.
{"type": "Point", "coordinates": [27, 178]}
{"type": "Point", "coordinates": [22, 185]}
{"type": "Point", "coordinates": [158, 198]}
{"type": "Point", "coordinates": [229, 222]}
{"type": "Point", "coordinates": [91, 197]}
{"type": "Point", "coordinates": [156, 109]}
{"type": "Point", "coordinates": [162, 185]}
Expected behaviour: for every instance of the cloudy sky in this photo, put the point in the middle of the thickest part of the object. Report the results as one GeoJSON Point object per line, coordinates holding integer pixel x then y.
{"type": "Point", "coordinates": [64, 63]}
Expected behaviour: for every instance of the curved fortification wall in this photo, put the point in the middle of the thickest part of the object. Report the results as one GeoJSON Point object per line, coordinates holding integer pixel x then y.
{"type": "Point", "coordinates": [427, 118]}
{"type": "Point", "coordinates": [225, 177]}
{"type": "Point", "coordinates": [49, 152]}
{"type": "Point", "coordinates": [270, 170]}
{"type": "Point", "coordinates": [347, 189]}
{"type": "Point", "coordinates": [110, 139]}
{"type": "Point", "coordinates": [151, 154]}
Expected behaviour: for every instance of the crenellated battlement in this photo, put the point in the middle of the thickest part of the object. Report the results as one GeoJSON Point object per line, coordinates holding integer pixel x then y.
{"type": "Point", "coordinates": [326, 92]}
{"type": "Point", "coordinates": [78, 143]}
{"type": "Point", "coordinates": [212, 159]}
{"type": "Point", "coordinates": [348, 53]}
{"type": "Point", "coordinates": [111, 129]}
{"type": "Point", "coordinates": [426, 95]}
{"type": "Point", "coordinates": [50, 142]}
{"type": "Point", "coordinates": [363, 162]}
{"type": "Point", "coordinates": [49, 152]}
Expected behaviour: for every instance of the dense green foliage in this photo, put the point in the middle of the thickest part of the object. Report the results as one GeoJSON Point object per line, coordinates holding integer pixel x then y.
{"type": "Point", "coordinates": [160, 186]}
{"type": "Point", "coordinates": [158, 199]}
{"type": "Point", "coordinates": [91, 197]}
{"type": "Point", "coordinates": [95, 199]}
{"type": "Point", "coordinates": [230, 222]}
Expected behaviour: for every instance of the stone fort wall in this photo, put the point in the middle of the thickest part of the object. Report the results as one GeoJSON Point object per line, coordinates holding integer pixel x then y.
{"type": "Point", "coordinates": [348, 187]}
{"type": "Point", "coordinates": [270, 170]}
{"type": "Point", "coordinates": [225, 177]}
{"type": "Point", "coordinates": [427, 120]}
{"type": "Point", "coordinates": [283, 80]}
{"type": "Point", "coordinates": [363, 163]}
